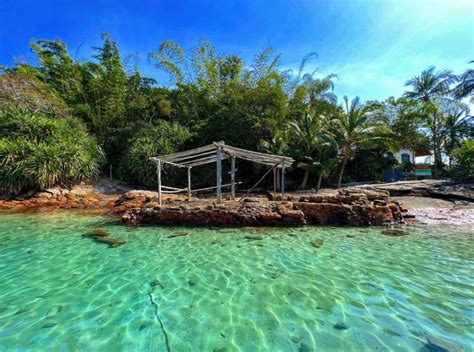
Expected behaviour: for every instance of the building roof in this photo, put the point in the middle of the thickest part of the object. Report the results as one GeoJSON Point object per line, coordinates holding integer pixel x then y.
{"type": "Point", "coordinates": [208, 154]}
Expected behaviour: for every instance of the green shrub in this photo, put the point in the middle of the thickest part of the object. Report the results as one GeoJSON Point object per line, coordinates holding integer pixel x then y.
{"type": "Point", "coordinates": [162, 138]}
{"type": "Point", "coordinates": [463, 161]}
{"type": "Point", "coordinates": [38, 152]}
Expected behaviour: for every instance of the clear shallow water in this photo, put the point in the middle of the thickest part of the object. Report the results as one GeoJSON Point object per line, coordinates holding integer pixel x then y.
{"type": "Point", "coordinates": [214, 290]}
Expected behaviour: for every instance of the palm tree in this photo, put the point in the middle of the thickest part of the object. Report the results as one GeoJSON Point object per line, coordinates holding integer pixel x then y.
{"type": "Point", "coordinates": [457, 126]}
{"type": "Point", "coordinates": [429, 88]}
{"type": "Point", "coordinates": [465, 87]}
{"type": "Point", "coordinates": [357, 125]}
{"type": "Point", "coordinates": [315, 93]}
{"type": "Point", "coordinates": [309, 133]}
{"type": "Point", "coordinates": [325, 159]}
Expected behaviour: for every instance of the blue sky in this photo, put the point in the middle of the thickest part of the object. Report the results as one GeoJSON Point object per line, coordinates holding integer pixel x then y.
{"type": "Point", "coordinates": [373, 46]}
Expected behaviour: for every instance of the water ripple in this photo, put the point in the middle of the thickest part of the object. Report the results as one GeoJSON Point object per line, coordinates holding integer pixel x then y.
{"type": "Point", "coordinates": [215, 290]}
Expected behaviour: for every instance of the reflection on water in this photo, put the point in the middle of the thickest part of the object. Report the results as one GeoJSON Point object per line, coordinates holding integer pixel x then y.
{"type": "Point", "coordinates": [231, 289]}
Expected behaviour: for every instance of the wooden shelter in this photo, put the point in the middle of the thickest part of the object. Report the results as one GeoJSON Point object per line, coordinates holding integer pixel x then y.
{"type": "Point", "coordinates": [215, 153]}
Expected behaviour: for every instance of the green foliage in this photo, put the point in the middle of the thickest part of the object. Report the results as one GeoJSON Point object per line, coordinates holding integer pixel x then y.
{"type": "Point", "coordinates": [405, 118]}
{"type": "Point", "coordinates": [430, 85]}
{"type": "Point", "coordinates": [358, 126]}
{"type": "Point", "coordinates": [37, 152]}
{"type": "Point", "coordinates": [457, 125]}
{"type": "Point", "coordinates": [368, 164]}
{"type": "Point", "coordinates": [431, 90]}
{"type": "Point", "coordinates": [465, 87]}
{"type": "Point", "coordinates": [59, 70]}
{"type": "Point", "coordinates": [463, 161]}
{"type": "Point", "coordinates": [163, 138]}
{"type": "Point", "coordinates": [218, 96]}
{"type": "Point", "coordinates": [315, 148]}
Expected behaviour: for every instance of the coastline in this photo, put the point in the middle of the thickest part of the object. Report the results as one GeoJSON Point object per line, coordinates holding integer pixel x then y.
{"type": "Point", "coordinates": [364, 205]}
{"type": "Point", "coordinates": [434, 211]}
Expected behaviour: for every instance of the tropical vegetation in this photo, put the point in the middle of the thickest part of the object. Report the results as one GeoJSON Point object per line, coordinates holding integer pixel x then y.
{"type": "Point", "coordinates": [65, 120]}
{"type": "Point", "coordinates": [37, 152]}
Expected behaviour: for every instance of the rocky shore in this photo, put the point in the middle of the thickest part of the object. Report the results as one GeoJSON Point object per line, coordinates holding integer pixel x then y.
{"type": "Point", "coordinates": [440, 189]}
{"type": "Point", "coordinates": [331, 207]}
{"type": "Point", "coordinates": [422, 202]}
{"type": "Point", "coordinates": [435, 211]}
{"type": "Point", "coordinates": [99, 195]}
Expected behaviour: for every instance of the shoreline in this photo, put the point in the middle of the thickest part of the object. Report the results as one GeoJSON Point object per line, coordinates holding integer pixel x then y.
{"type": "Point", "coordinates": [363, 205]}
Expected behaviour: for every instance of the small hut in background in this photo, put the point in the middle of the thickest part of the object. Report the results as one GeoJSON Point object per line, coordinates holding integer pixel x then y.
{"type": "Point", "coordinates": [215, 153]}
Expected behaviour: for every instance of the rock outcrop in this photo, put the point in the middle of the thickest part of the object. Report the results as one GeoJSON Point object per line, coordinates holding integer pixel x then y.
{"type": "Point", "coordinates": [99, 195]}
{"type": "Point", "coordinates": [343, 207]}
{"type": "Point", "coordinates": [442, 189]}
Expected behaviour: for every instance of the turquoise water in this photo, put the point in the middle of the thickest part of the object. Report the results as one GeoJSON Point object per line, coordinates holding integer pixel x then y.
{"type": "Point", "coordinates": [215, 290]}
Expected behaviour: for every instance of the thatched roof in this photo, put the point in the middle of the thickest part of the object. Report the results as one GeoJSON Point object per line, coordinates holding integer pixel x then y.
{"type": "Point", "coordinates": [208, 154]}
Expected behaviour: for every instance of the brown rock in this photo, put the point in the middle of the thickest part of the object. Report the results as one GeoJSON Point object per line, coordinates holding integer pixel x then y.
{"type": "Point", "coordinates": [326, 213]}
{"type": "Point", "coordinates": [269, 216]}
{"type": "Point", "coordinates": [43, 195]}
{"type": "Point", "coordinates": [328, 208]}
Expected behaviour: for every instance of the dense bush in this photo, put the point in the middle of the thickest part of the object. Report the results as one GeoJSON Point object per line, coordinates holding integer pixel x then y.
{"type": "Point", "coordinates": [213, 96]}
{"type": "Point", "coordinates": [463, 161]}
{"type": "Point", "coordinates": [38, 151]}
{"type": "Point", "coordinates": [162, 138]}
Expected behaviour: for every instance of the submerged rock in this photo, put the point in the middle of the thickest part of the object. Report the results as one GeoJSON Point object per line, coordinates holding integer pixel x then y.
{"type": "Point", "coordinates": [113, 243]}
{"type": "Point", "coordinates": [305, 348]}
{"type": "Point", "coordinates": [98, 233]}
{"type": "Point", "coordinates": [101, 236]}
{"type": "Point", "coordinates": [317, 243]}
{"type": "Point", "coordinates": [394, 232]}
{"type": "Point", "coordinates": [156, 282]}
{"type": "Point", "coordinates": [219, 349]}
{"type": "Point", "coordinates": [178, 234]}
{"type": "Point", "coordinates": [341, 326]}
{"type": "Point", "coordinates": [254, 237]}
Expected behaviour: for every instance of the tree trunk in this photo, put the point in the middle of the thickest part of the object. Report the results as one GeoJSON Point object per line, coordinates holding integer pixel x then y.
{"type": "Point", "coordinates": [344, 161]}
{"type": "Point", "coordinates": [305, 179]}
{"type": "Point", "coordinates": [436, 148]}
{"type": "Point", "coordinates": [318, 186]}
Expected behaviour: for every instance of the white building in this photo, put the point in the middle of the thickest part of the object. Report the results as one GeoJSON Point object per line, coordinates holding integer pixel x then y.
{"type": "Point", "coordinates": [405, 156]}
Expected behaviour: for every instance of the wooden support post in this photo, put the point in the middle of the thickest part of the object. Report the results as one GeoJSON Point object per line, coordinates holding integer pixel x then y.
{"type": "Point", "coordinates": [219, 175]}
{"type": "Point", "coordinates": [189, 182]}
{"type": "Point", "coordinates": [283, 180]}
{"type": "Point", "coordinates": [275, 170]}
{"type": "Point", "coordinates": [232, 178]}
{"type": "Point", "coordinates": [158, 172]}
